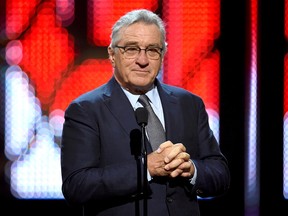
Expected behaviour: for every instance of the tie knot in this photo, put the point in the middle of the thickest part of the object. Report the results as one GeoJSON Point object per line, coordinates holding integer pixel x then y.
{"type": "Point", "coordinates": [144, 100]}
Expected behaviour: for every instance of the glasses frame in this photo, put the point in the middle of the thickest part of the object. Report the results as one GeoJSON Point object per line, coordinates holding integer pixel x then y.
{"type": "Point", "coordinates": [139, 50]}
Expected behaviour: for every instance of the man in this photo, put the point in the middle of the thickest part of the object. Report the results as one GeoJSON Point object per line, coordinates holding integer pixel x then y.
{"type": "Point", "coordinates": [100, 167]}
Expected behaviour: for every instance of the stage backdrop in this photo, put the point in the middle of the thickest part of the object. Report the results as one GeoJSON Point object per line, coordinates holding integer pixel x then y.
{"type": "Point", "coordinates": [56, 50]}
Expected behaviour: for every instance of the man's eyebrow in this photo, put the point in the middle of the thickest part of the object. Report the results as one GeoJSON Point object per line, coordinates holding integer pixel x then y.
{"type": "Point", "coordinates": [131, 43]}
{"type": "Point", "coordinates": [134, 43]}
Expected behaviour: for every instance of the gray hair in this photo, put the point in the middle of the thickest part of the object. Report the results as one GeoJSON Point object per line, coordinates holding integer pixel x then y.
{"type": "Point", "coordinates": [139, 15]}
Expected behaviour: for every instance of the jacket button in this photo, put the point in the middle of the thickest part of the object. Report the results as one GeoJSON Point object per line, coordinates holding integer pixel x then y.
{"type": "Point", "coordinates": [169, 199]}
{"type": "Point", "coordinates": [199, 192]}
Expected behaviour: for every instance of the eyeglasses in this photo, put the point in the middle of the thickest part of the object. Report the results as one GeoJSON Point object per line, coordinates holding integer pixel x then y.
{"type": "Point", "coordinates": [131, 52]}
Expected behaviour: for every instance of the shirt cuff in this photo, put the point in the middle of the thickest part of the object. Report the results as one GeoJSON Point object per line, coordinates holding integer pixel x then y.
{"type": "Point", "coordinates": [193, 179]}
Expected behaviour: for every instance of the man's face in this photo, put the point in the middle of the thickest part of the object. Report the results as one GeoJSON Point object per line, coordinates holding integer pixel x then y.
{"type": "Point", "coordinates": [136, 74]}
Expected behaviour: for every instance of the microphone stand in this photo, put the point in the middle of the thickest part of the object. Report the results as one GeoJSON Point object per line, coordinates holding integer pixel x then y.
{"type": "Point", "coordinates": [145, 180]}
{"type": "Point", "coordinates": [142, 119]}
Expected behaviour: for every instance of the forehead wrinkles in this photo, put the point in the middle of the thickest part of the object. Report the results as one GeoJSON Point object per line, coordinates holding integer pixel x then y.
{"type": "Point", "coordinates": [137, 34]}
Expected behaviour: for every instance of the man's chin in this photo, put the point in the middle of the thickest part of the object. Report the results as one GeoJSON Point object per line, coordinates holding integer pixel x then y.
{"type": "Point", "coordinates": [140, 88]}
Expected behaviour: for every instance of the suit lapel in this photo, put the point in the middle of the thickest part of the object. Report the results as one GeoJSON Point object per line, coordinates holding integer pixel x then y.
{"type": "Point", "coordinates": [171, 111]}
{"type": "Point", "coordinates": [120, 107]}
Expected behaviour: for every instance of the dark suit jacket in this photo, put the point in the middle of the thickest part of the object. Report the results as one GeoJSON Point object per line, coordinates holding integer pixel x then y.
{"type": "Point", "coordinates": [101, 172]}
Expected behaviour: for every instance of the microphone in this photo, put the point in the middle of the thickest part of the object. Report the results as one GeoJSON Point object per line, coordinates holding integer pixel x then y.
{"type": "Point", "coordinates": [141, 116]}
{"type": "Point", "coordinates": [142, 120]}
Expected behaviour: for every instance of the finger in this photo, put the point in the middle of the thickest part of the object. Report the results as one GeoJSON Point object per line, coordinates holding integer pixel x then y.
{"type": "Point", "coordinates": [185, 174]}
{"type": "Point", "coordinates": [188, 169]}
{"type": "Point", "coordinates": [175, 150]}
{"type": "Point", "coordinates": [174, 164]}
{"type": "Point", "coordinates": [185, 166]}
{"type": "Point", "coordinates": [176, 173]}
{"type": "Point", "coordinates": [164, 146]}
{"type": "Point", "coordinates": [184, 155]}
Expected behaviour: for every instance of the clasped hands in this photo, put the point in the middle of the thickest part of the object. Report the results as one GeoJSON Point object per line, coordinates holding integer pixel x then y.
{"type": "Point", "coordinates": [170, 160]}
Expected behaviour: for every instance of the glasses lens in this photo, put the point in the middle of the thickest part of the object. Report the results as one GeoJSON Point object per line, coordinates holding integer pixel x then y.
{"type": "Point", "coordinates": [131, 52]}
{"type": "Point", "coordinates": [153, 53]}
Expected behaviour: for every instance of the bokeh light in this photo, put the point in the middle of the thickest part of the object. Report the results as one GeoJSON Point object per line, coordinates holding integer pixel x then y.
{"type": "Point", "coordinates": [47, 69]}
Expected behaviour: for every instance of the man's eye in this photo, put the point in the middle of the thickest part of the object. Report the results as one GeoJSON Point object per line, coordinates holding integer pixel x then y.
{"type": "Point", "coordinates": [131, 49]}
{"type": "Point", "coordinates": [152, 50]}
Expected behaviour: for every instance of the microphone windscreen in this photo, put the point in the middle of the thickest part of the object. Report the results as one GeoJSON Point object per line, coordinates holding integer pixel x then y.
{"type": "Point", "coordinates": [141, 114]}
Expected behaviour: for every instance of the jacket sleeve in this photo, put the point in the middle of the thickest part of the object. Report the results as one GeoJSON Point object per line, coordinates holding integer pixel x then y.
{"type": "Point", "coordinates": [213, 175]}
{"type": "Point", "coordinates": [83, 155]}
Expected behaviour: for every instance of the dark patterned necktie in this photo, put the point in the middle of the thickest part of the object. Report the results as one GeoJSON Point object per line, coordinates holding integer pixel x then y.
{"type": "Point", "coordinates": [154, 127]}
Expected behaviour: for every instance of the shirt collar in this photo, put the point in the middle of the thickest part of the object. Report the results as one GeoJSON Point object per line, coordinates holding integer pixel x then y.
{"type": "Point", "coordinates": [152, 94]}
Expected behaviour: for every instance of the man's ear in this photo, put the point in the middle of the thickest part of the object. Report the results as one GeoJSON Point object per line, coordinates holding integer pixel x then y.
{"type": "Point", "coordinates": [111, 55]}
